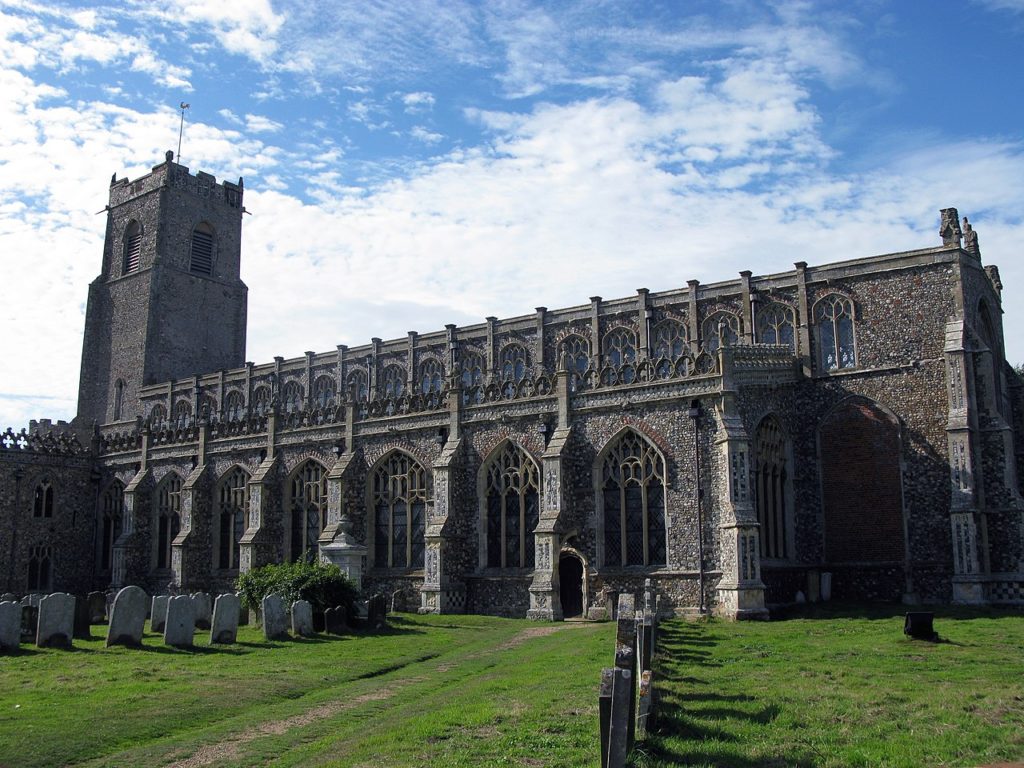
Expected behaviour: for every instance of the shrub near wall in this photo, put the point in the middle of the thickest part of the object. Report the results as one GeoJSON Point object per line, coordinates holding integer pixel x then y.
{"type": "Point", "coordinates": [324, 586]}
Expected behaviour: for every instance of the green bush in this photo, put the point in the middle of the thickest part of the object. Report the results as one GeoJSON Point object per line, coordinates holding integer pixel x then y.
{"type": "Point", "coordinates": [324, 586]}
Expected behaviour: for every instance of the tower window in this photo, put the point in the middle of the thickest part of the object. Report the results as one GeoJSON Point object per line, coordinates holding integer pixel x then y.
{"type": "Point", "coordinates": [201, 261]}
{"type": "Point", "coordinates": [43, 503]}
{"type": "Point", "coordinates": [132, 247]}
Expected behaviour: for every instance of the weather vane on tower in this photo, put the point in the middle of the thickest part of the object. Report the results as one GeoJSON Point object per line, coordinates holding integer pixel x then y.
{"type": "Point", "coordinates": [181, 128]}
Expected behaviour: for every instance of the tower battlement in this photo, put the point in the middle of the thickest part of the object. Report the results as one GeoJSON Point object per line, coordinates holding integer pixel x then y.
{"type": "Point", "coordinates": [171, 174]}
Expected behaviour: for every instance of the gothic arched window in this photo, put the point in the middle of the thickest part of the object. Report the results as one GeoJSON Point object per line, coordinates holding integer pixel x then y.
{"type": "Point", "coordinates": [358, 386]}
{"type": "Point", "coordinates": [718, 328]}
{"type": "Point", "coordinates": [775, 325]}
{"type": "Point", "coordinates": [431, 377]}
{"type": "Point", "coordinates": [234, 405]}
{"type": "Point", "coordinates": [833, 316]}
{"type": "Point", "coordinates": [157, 417]}
{"type": "Point", "coordinates": [668, 344]}
{"type": "Point", "coordinates": [771, 477]}
{"type": "Point", "coordinates": [42, 504]}
{"type": "Point", "coordinates": [512, 364]}
{"type": "Point", "coordinates": [291, 397]}
{"type": "Point", "coordinates": [110, 523]}
{"type": "Point", "coordinates": [181, 416]}
{"type": "Point", "coordinates": [324, 392]}
{"type": "Point", "coordinates": [308, 505]}
{"type": "Point", "coordinates": [575, 352]}
{"type": "Point", "coordinates": [393, 381]}
{"type": "Point", "coordinates": [632, 483]}
{"type": "Point", "coordinates": [132, 247]}
{"type": "Point", "coordinates": [201, 251]}
{"type": "Point", "coordinates": [261, 401]}
{"type": "Point", "coordinates": [168, 518]}
{"type": "Point", "coordinates": [472, 378]}
{"type": "Point", "coordinates": [40, 568]}
{"type": "Point", "coordinates": [232, 510]}
{"type": "Point", "coordinates": [620, 356]}
{"type": "Point", "coordinates": [400, 512]}
{"type": "Point", "coordinates": [513, 508]}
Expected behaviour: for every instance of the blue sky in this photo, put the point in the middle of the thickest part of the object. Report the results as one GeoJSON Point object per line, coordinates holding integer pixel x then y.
{"type": "Point", "coordinates": [411, 164]}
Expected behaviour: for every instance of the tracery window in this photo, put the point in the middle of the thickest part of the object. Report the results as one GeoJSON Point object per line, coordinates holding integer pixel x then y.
{"type": "Point", "coordinates": [132, 247]}
{"type": "Point", "coordinates": [181, 416]}
{"type": "Point", "coordinates": [512, 364]}
{"type": "Point", "coordinates": [232, 510]}
{"type": "Point", "coordinates": [513, 508]}
{"type": "Point", "coordinates": [719, 327]}
{"type": "Point", "coordinates": [393, 381]}
{"type": "Point", "coordinates": [42, 504]}
{"type": "Point", "coordinates": [324, 392]}
{"type": "Point", "coordinates": [291, 397]}
{"type": "Point", "coordinates": [201, 251]}
{"type": "Point", "coordinates": [632, 478]}
{"type": "Point", "coordinates": [308, 505]}
{"type": "Point", "coordinates": [234, 405]}
{"type": "Point", "coordinates": [110, 523]}
{"type": "Point", "coordinates": [400, 511]}
{"type": "Point", "coordinates": [358, 385]}
{"type": "Point", "coordinates": [775, 325]}
{"type": "Point", "coordinates": [168, 518]}
{"type": "Point", "coordinates": [668, 344]}
{"type": "Point", "coordinates": [40, 568]}
{"type": "Point", "coordinates": [431, 377]}
{"type": "Point", "coordinates": [620, 356]}
{"type": "Point", "coordinates": [771, 476]}
{"type": "Point", "coordinates": [157, 417]}
{"type": "Point", "coordinates": [834, 320]}
{"type": "Point", "coordinates": [575, 352]}
{"type": "Point", "coordinates": [261, 401]}
{"type": "Point", "coordinates": [472, 378]}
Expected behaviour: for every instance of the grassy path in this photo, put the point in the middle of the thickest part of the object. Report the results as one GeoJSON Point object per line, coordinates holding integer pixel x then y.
{"type": "Point", "coordinates": [445, 691]}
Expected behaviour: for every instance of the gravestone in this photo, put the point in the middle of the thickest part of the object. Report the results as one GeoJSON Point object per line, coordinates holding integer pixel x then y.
{"type": "Point", "coordinates": [275, 620]}
{"type": "Point", "coordinates": [625, 659]}
{"type": "Point", "coordinates": [56, 624]}
{"type": "Point", "coordinates": [29, 622]}
{"type": "Point", "coordinates": [224, 628]}
{"type": "Point", "coordinates": [643, 704]}
{"type": "Point", "coordinates": [181, 622]}
{"type": "Point", "coordinates": [621, 723]}
{"type": "Point", "coordinates": [158, 613]}
{"type": "Point", "coordinates": [243, 611]}
{"type": "Point", "coordinates": [10, 625]}
{"type": "Point", "coordinates": [82, 624]}
{"type": "Point", "coordinates": [302, 618]}
{"type": "Point", "coordinates": [127, 617]}
{"type": "Point", "coordinates": [8, 597]}
{"type": "Point", "coordinates": [604, 710]}
{"type": "Point", "coordinates": [335, 621]}
{"type": "Point", "coordinates": [376, 612]}
{"type": "Point", "coordinates": [32, 599]}
{"type": "Point", "coordinates": [203, 610]}
{"type": "Point", "coordinates": [97, 607]}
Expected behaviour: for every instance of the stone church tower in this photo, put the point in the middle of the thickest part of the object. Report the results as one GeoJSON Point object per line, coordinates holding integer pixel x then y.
{"type": "Point", "coordinates": [169, 302]}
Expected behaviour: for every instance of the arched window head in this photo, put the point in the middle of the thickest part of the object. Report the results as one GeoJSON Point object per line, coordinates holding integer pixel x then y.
{"type": "Point", "coordinates": [431, 377]}
{"type": "Point", "coordinates": [513, 508]}
{"type": "Point", "coordinates": [323, 392]}
{"type": "Point", "coordinates": [775, 325]}
{"type": "Point", "coordinates": [392, 381]}
{"type": "Point", "coordinates": [234, 406]}
{"type": "Point", "coordinates": [168, 518]}
{"type": "Point", "coordinates": [512, 364]}
{"type": "Point", "coordinates": [232, 510]}
{"type": "Point", "coordinates": [42, 504]}
{"type": "Point", "coordinates": [833, 316]}
{"type": "Point", "coordinates": [181, 416]}
{"type": "Point", "coordinates": [472, 366]}
{"type": "Point", "coordinates": [358, 386]}
{"type": "Point", "coordinates": [201, 252]}
{"type": "Point", "coordinates": [118, 398]}
{"type": "Point", "coordinates": [632, 483]}
{"type": "Point", "coordinates": [157, 417]}
{"type": "Point", "coordinates": [132, 247]}
{"type": "Point", "coordinates": [574, 352]}
{"type": "Point", "coordinates": [719, 329]}
{"type": "Point", "coordinates": [619, 349]}
{"type": "Point", "coordinates": [112, 507]}
{"type": "Point", "coordinates": [261, 401]}
{"type": "Point", "coordinates": [399, 488]}
{"type": "Point", "coordinates": [669, 346]}
{"type": "Point", "coordinates": [308, 505]}
{"type": "Point", "coordinates": [291, 397]}
{"type": "Point", "coordinates": [771, 487]}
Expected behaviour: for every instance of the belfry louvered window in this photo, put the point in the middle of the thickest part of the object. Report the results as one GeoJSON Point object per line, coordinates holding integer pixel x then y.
{"type": "Point", "coordinates": [132, 247]}
{"type": "Point", "coordinates": [201, 255]}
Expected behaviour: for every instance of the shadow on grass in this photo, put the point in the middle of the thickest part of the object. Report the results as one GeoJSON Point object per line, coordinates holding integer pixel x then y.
{"type": "Point", "coordinates": [888, 611]}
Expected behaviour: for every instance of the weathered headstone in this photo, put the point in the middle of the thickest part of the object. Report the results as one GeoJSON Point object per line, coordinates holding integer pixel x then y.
{"type": "Point", "coordinates": [604, 709]}
{"type": "Point", "coordinates": [224, 628]}
{"type": "Point", "coordinates": [127, 617]}
{"type": "Point", "coordinates": [29, 621]}
{"type": "Point", "coordinates": [158, 613]}
{"type": "Point", "coordinates": [376, 612]}
{"type": "Point", "coordinates": [32, 599]}
{"type": "Point", "coordinates": [302, 618]}
{"type": "Point", "coordinates": [275, 620]}
{"type": "Point", "coordinates": [181, 622]}
{"type": "Point", "coordinates": [56, 621]}
{"type": "Point", "coordinates": [335, 621]}
{"type": "Point", "coordinates": [82, 623]}
{"type": "Point", "coordinates": [621, 722]}
{"type": "Point", "coordinates": [643, 707]}
{"type": "Point", "coordinates": [8, 597]}
{"type": "Point", "coordinates": [243, 611]}
{"type": "Point", "coordinates": [203, 610]}
{"type": "Point", "coordinates": [10, 625]}
{"type": "Point", "coordinates": [627, 606]}
{"type": "Point", "coordinates": [625, 659]}
{"type": "Point", "coordinates": [97, 607]}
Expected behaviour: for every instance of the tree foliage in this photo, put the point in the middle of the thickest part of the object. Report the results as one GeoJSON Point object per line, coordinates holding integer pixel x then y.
{"type": "Point", "coordinates": [324, 586]}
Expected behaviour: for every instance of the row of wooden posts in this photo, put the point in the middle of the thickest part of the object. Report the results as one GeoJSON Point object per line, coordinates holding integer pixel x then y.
{"type": "Point", "coordinates": [625, 698]}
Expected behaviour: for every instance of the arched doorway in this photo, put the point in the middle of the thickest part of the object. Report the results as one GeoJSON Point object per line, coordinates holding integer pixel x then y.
{"type": "Point", "coordinates": [570, 580]}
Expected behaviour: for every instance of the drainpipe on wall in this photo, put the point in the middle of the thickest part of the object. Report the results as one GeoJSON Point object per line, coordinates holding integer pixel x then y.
{"type": "Point", "coordinates": [694, 414]}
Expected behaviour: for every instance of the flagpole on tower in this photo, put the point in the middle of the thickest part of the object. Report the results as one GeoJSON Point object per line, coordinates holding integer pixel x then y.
{"type": "Point", "coordinates": [181, 128]}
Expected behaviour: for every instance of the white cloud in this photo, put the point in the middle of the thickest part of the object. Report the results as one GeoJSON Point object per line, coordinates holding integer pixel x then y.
{"type": "Point", "coordinates": [426, 136]}
{"type": "Point", "coordinates": [419, 101]}
{"type": "Point", "coordinates": [261, 124]}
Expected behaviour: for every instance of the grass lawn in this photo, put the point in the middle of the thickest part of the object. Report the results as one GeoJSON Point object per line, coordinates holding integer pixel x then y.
{"type": "Point", "coordinates": [840, 686]}
{"type": "Point", "coordinates": [432, 690]}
